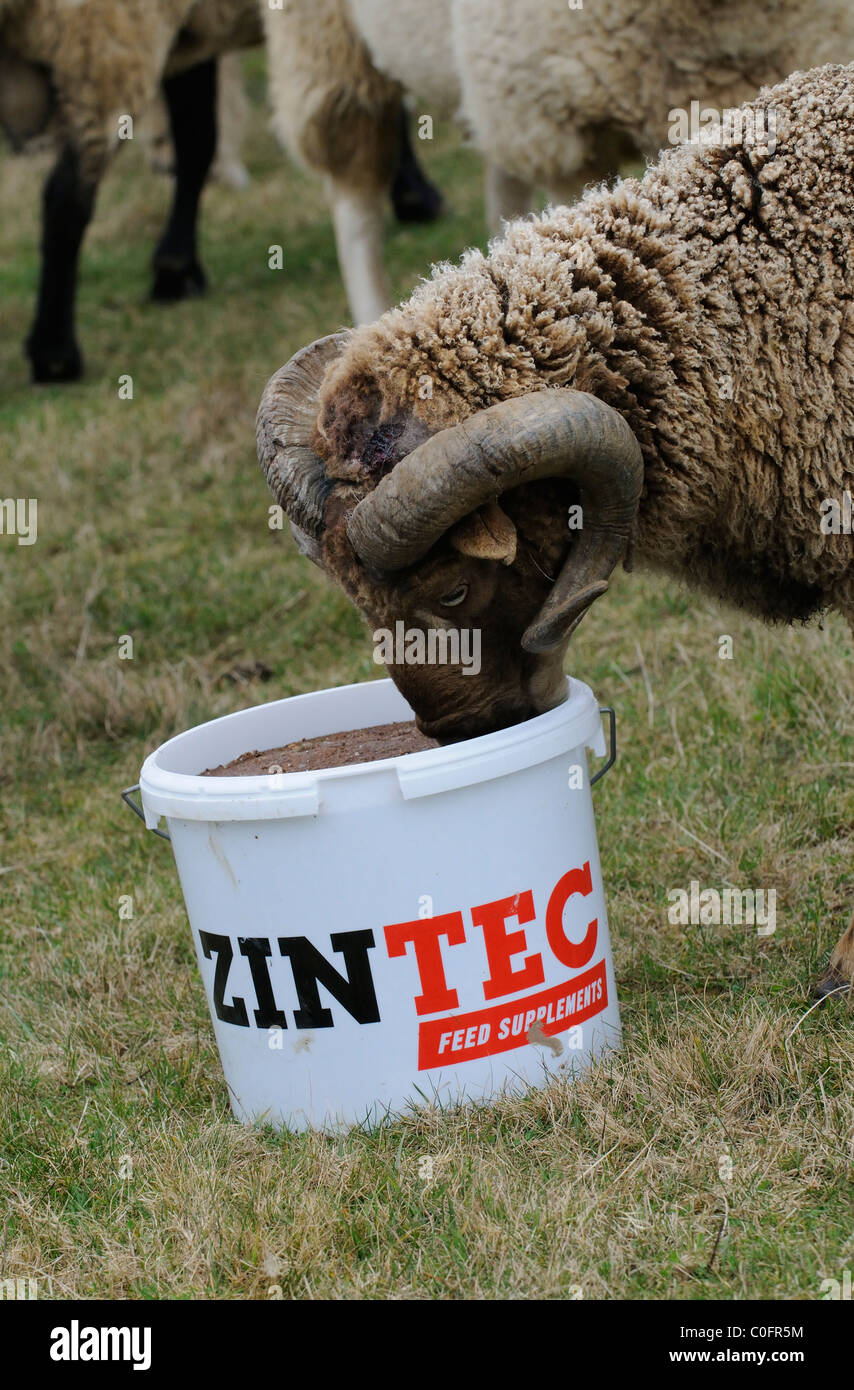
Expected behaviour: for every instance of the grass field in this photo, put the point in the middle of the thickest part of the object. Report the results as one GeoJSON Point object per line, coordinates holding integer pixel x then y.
{"type": "Point", "coordinates": [713, 1158]}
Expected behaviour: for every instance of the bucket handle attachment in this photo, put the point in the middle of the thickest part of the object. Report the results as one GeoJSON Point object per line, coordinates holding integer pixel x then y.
{"type": "Point", "coordinates": [612, 741]}
{"type": "Point", "coordinates": [127, 798]}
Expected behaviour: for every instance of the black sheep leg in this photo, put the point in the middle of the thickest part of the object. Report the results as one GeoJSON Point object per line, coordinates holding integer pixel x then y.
{"type": "Point", "coordinates": [414, 197]}
{"type": "Point", "coordinates": [191, 100]}
{"type": "Point", "coordinates": [67, 205]}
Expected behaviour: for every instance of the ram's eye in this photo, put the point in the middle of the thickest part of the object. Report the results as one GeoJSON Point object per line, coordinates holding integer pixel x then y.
{"type": "Point", "coordinates": [455, 597]}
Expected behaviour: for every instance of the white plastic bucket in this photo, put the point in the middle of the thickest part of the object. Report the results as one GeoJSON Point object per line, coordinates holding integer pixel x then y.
{"type": "Point", "coordinates": [430, 926]}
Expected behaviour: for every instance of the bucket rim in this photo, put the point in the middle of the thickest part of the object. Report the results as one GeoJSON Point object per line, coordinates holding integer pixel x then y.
{"type": "Point", "coordinates": [574, 723]}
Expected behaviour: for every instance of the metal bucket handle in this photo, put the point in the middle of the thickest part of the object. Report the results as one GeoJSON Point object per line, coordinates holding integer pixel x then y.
{"type": "Point", "coordinates": [612, 743]}
{"type": "Point", "coordinates": [127, 798]}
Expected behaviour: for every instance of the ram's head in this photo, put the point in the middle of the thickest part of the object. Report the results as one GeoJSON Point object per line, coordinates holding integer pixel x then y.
{"type": "Point", "coordinates": [464, 530]}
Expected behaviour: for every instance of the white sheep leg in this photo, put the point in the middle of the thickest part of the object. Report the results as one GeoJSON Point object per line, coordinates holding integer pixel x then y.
{"type": "Point", "coordinates": [506, 197]}
{"type": "Point", "coordinates": [359, 216]}
{"type": "Point", "coordinates": [232, 122]}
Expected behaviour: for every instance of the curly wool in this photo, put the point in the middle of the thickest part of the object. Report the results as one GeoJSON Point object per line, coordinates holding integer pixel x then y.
{"type": "Point", "coordinates": [726, 271]}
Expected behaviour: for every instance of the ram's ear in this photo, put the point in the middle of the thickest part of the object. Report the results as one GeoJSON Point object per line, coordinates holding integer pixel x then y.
{"type": "Point", "coordinates": [487, 534]}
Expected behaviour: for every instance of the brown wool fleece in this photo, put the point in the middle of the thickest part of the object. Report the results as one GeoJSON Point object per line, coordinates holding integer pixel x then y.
{"type": "Point", "coordinates": [711, 302]}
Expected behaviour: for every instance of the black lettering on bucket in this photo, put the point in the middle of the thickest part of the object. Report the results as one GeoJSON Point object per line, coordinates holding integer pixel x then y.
{"type": "Point", "coordinates": [355, 991]}
{"type": "Point", "coordinates": [235, 1012]}
{"type": "Point", "coordinates": [257, 949]}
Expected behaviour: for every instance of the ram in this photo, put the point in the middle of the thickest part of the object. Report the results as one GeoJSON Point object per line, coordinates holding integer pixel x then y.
{"type": "Point", "coordinates": [552, 94]}
{"type": "Point", "coordinates": [674, 355]}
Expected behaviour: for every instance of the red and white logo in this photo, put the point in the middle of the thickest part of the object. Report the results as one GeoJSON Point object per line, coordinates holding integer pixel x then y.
{"type": "Point", "coordinates": [482, 1032]}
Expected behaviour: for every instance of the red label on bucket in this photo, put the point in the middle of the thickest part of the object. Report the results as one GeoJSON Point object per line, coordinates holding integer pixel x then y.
{"type": "Point", "coordinates": [464, 1037]}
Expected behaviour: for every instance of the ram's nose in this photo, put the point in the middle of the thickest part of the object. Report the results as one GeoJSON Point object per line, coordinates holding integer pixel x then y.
{"type": "Point", "coordinates": [453, 728]}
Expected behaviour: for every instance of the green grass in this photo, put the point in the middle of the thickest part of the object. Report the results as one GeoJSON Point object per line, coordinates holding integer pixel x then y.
{"type": "Point", "coordinates": [121, 1171]}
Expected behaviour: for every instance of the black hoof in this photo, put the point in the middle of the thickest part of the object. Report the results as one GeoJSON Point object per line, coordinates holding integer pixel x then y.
{"type": "Point", "coordinates": [416, 200]}
{"type": "Point", "coordinates": [172, 283]}
{"type": "Point", "coordinates": [64, 362]}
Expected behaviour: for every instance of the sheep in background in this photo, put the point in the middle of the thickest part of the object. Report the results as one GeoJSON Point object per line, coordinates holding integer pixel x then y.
{"type": "Point", "coordinates": [78, 71]}
{"type": "Point", "coordinates": [552, 95]}
{"type": "Point", "coordinates": [88, 67]}
{"type": "Point", "coordinates": [608, 75]}
{"type": "Point", "coordinates": [413, 196]}
{"type": "Point", "coordinates": [675, 355]}
{"type": "Point", "coordinates": [335, 113]}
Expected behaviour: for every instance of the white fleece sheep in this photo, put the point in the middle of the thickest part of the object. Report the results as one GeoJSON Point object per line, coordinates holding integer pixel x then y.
{"type": "Point", "coordinates": [551, 95]}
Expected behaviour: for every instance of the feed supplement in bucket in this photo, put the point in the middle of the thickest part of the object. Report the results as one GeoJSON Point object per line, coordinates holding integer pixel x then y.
{"type": "Point", "coordinates": [430, 926]}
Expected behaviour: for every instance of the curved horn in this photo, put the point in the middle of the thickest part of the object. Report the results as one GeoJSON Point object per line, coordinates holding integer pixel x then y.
{"type": "Point", "coordinates": [284, 431]}
{"type": "Point", "coordinates": [546, 434]}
